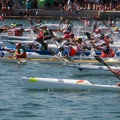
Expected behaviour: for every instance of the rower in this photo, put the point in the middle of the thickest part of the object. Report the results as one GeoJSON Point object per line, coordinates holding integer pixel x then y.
{"type": "Point", "coordinates": [117, 32]}
{"type": "Point", "coordinates": [15, 29]}
{"type": "Point", "coordinates": [68, 27]}
{"type": "Point", "coordinates": [106, 51]}
{"type": "Point", "coordinates": [39, 44]}
{"type": "Point", "coordinates": [20, 51]}
{"type": "Point", "coordinates": [111, 23]}
{"type": "Point", "coordinates": [62, 53]}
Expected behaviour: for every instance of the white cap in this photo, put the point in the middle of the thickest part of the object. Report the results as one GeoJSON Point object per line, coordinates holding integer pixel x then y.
{"type": "Point", "coordinates": [65, 42]}
{"type": "Point", "coordinates": [60, 46]}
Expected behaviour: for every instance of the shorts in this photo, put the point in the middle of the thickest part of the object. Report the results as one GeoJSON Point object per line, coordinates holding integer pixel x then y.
{"type": "Point", "coordinates": [28, 8]}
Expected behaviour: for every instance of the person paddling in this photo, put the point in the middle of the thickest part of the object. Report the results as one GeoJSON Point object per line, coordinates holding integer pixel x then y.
{"type": "Point", "coordinates": [62, 53]}
{"type": "Point", "coordinates": [20, 51]}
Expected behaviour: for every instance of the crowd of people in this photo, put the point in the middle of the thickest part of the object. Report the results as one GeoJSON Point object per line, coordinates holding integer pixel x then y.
{"type": "Point", "coordinates": [64, 5]}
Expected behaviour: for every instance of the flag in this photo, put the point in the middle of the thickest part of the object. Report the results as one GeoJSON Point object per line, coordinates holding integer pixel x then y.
{"type": "Point", "coordinates": [1, 18]}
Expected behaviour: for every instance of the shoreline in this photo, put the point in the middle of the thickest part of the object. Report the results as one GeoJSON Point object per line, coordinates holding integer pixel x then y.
{"type": "Point", "coordinates": [56, 14]}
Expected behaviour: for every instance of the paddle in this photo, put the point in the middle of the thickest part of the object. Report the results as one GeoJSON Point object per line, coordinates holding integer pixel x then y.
{"type": "Point", "coordinates": [101, 61]}
{"type": "Point", "coordinates": [12, 55]}
{"type": "Point", "coordinates": [54, 53]}
{"type": "Point", "coordinates": [30, 20]}
{"type": "Point", "coordinates": [108, 27]}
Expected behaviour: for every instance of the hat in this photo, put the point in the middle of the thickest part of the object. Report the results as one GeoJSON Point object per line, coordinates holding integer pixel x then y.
{"type": "Point", "coordinates": [60, 46]}
{"type": "Point", "coordinates": [116, 29]}
{"type": "Point", "coordinates": [65, 42]}
{"type": "Point", "coordinates": [14, 24]}
{"type": "Point", "coordinates": [98, 30]}
{"type": "Point", "coordinates": [108, 34]}
{"type": "Point", "coordinates": [18, 44]}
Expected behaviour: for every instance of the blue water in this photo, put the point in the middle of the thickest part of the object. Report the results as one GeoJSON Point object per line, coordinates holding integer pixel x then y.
{"type": "Point", "coordinates": [18, 103]}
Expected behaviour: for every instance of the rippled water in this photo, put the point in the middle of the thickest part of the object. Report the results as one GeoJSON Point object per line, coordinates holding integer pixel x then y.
{"type": "Point", "coordinates": [18, 103]}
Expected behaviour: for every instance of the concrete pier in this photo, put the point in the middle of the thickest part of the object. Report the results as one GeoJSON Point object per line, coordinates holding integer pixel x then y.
{"type": "Point", "coordinates": [55, 14]}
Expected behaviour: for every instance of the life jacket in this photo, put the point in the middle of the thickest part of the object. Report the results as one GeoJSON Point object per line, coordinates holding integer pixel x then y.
{"type": "Point", "coordinates": [19, 52]}
{"type": "Point", "coordinates": [72, 51]}
{"type": "Point", "coordinates": [108, 53]}
{"type": "Point", "coordinates": [41, 35]}
{"type": "Point", "coordinates": [18, 32]}
{"type": "Point", "coordinates": [107, 42]}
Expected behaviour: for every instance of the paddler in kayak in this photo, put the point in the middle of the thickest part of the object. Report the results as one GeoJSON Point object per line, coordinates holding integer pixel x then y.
{"type": "Point", "coordinates": [62, 53]}
{"type": "Point", "coordinates": [15, 29]}
{"type": "Point", "coordinates": [20, 51]}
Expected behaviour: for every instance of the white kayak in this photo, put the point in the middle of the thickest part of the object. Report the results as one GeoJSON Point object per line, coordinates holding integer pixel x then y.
{"type": "Point", "coordinates": [91, 70]}
{"type": "Point", "coordinates": [71, 84]}
{"type": "Point", "coordinates": [30, 55]}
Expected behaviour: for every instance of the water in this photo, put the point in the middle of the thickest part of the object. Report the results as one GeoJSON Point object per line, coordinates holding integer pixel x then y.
{"type": "Point", "coordinates": [18, 103]}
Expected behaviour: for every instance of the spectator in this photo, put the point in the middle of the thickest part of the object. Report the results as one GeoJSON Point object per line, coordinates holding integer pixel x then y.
{"type": "Point", "coordinates": [86, 2]}
{"type": "Point", "coordinates": [4, 7]}
{"type": "Point", "coordinates": [34, 4]}
{"type": "Point", "coordinates": [28, 7]}
{"type": "Point", "coordinates": [10, 4]}
{"type": "Point", "coordinates": [76, 6]}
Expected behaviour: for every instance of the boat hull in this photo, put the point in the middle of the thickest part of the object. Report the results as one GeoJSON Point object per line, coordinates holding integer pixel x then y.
{"type": "Point", "coordinates": [91, 70]}
{"type": "Point", "coordinates": [52, 83]}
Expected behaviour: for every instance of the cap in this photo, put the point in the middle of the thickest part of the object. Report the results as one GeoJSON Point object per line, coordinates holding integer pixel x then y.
{"type": "Point", "coordinates": [116, 29]}
{"type": "Point", "coordinates": [98, 30]}
{"type": "Point", "coordinates": [65, 42]}
{"type": "Point", "coordinates": [18, 44]}
{"type": "Point", "coordinates": [60, 46]}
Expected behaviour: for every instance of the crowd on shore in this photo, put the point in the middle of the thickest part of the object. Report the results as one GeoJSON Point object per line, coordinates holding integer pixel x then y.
{"type": "Point", "coordinates": [64, 5]}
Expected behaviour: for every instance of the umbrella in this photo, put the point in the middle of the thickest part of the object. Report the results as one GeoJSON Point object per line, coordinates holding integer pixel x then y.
{"type": "Point", "coordinates": [51, 1]}
{"type": "Point", "coordinates": [43, 2]}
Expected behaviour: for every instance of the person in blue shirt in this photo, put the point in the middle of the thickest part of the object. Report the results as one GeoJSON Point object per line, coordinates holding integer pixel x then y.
{"type": "Point", "coordinates": [28, 7]}
{"type": "Point", "coordinates": [62, 53]}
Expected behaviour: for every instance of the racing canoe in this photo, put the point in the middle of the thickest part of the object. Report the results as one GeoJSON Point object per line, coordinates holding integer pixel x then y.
{"type": "Point", "coordinates": [57, 84]}
{"type": "Point", "coordinates": [91, 69]}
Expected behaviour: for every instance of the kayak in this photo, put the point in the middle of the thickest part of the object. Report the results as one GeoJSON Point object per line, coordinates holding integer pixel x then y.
{"type": "Point", "coordinates": [30, 36]}
{"type": "Point", "coordinates": [62, 61]}
{"type": "Point", "coordinates": [71, 84]}
{"type": "Point", "coordinates": [14, 60]}
{"type": "Point", "coordinates": [91, 70]}
{"type": "Point", "coordinates": [30, 55]}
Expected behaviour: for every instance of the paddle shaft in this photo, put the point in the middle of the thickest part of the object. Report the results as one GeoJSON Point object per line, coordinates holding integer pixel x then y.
{"type": "Point", "coordinates": [16, 58]}
{"type": "Point", "coordinates": [101, 61]}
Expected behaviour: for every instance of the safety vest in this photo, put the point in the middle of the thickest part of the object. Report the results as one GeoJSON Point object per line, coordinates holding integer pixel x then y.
{"type": "Point", "coordinates": [108, 53]}
{"type": "Point", "coordinates": [18, 51]}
